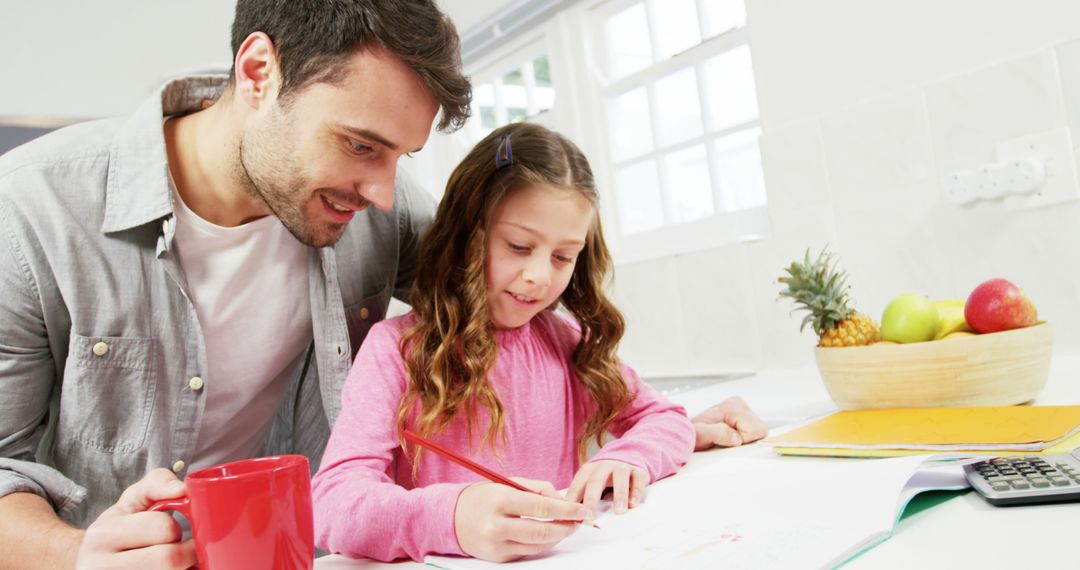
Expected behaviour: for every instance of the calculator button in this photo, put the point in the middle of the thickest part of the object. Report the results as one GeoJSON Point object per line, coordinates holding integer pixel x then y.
{"type": "Point", "coordinates": [1039, 482]}
{"type": "Point", "coordinates": [1000, 486]}
{"type": "Point", "coordinates": [1020, 485]}
{"type": "Point", "coordinates": [1007, 471]}
{"type": "Point", "coordinates": [1059, 481]}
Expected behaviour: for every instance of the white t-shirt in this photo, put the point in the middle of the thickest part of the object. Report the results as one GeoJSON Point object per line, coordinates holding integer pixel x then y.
{"type": "Point", "coordinates": [249, 285]}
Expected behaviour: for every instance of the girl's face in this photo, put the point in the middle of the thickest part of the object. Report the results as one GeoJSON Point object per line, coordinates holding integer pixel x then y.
{"type": "Point", "coordinates": [534, 240]}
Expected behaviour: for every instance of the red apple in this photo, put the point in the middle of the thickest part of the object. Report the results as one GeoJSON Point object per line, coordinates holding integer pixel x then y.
{"type": "Point", "coordinates": [998, 305]}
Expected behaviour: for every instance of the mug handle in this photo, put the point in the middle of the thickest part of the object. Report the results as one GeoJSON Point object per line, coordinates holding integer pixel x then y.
{"type": "Point", "coordinates": [181, 505]}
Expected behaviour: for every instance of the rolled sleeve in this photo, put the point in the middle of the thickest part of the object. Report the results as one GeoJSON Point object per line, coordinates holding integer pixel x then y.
{"type": "Point", "coordinates": [27, 380]}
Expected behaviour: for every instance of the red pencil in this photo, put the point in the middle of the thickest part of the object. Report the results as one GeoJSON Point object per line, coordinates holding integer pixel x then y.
{"type": "Point", "coordinates": [488, 474]}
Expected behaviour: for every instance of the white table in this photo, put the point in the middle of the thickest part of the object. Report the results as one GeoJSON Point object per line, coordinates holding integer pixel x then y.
{"type": "Point", "coordinates": [964, 531]}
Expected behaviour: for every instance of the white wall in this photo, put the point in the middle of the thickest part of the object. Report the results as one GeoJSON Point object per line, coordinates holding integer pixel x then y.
{"type": "Point", "coordinates": [72, 59]}
{"type": "Point", "coordinates": [866, 105]}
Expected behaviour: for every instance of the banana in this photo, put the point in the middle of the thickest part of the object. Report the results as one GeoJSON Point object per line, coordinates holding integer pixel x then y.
{"type": "Point", "coordinates": [950, 317]}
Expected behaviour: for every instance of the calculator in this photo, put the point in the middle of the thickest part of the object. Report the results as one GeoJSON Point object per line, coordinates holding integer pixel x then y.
{"type": "Point", "coordinates": [1027, 479]}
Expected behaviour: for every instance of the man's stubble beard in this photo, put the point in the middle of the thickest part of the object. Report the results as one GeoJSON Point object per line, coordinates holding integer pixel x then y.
{"type": "Point", "coordinates": [262, 165]}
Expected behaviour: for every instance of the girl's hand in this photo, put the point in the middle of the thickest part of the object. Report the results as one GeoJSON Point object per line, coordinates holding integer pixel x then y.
{"type": "Point", "coordinates": [627, 483]}
{"type": "Point", "coordinates": [489, 524]}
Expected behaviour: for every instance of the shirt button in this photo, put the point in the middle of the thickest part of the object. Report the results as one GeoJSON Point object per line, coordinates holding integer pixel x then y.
{"type": "Point", "coordinates": [364, 313]}
{"type": "Point", "coordinates": [178, 466]}
{"type": "Point", "coordinates": [100, 349]}
{"type": "Point", "coordinates": [196, 383]}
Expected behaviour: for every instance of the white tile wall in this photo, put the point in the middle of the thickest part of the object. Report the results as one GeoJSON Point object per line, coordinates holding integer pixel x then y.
{"type": "Point", "coordinates": [865, 180]}
{"type": "Point", "coordinates": [717, 308]}
{"type": "Point", "coordinates": [648, 295]}
{"type": "Point", "coordinates": [971, 113]}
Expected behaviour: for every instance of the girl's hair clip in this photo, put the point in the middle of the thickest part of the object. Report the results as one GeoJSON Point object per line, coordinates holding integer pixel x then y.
{"type": "Point", "coordinates": [504, 155]}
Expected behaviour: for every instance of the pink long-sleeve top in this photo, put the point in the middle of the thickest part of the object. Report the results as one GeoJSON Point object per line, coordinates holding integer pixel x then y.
{"type": "Point", "coordinates": [367, 502]}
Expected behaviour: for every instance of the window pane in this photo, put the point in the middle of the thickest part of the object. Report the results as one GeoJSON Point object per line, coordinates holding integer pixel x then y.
{"type": "Point", "coordinates": [677, 107]}
{"type": "Point", "coordinates": [737, 167]}
{"type": "Point", "coordinates": [543, 89]}
{"type": "Point", "coordinates": [514, 96]}
{"type": "Point", "coordinates": [628, 118]}
{"type": "Point", "coordinates": [637, 191]}
{"type": "Point", "coordinates": [626, 36]}
{"type": "Point", "coordinates": [730, 81]}
{"type": "Point", "coordinates": [516, 114]}
{"type": "Point", "coordinates": [676, 26]}
{"type": "Point", "coordinates": [513, 78]}
{"type": "Point", "coordinates": [719, 16]}
{"type": "Point", "coordinates": [545, 98]}
{"type": "Point", "coordinates": [484, 102]}
{"type": "Point", "coordinates": [688, 184]}
{"type": "Point", "coordinates": [542, 71]}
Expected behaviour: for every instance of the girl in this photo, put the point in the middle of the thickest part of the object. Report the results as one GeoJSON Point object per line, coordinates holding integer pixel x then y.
{"type": "Point", "coordinates": [516, 234]}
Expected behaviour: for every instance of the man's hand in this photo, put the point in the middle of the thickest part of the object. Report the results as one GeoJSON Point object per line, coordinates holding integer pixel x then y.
{"type": "Point", "coordinates": [728, 424]}
{"type": "Point", "coordinates": [489, 524]}
{"type": "Point", "coordinates": [126, 535]}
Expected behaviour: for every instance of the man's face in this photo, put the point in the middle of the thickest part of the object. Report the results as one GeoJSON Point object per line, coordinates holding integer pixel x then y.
{"type": "Point", "coordinates": [331, 149]}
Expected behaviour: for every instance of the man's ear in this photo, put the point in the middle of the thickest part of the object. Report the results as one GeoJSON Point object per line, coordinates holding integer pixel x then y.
{"type": "Point", "coordinates": [257, 72]}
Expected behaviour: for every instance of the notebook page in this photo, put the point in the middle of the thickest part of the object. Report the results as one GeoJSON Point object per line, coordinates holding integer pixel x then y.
{"type": "Point", "coordinates": [741, 513]}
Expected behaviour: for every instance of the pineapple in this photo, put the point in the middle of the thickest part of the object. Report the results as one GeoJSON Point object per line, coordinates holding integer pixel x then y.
{"type": "Point", "coordinates": [822, 291]}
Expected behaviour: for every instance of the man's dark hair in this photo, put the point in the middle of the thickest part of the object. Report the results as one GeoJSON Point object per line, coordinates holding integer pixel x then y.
{"type": "Point", "coordinates": [314, 38]}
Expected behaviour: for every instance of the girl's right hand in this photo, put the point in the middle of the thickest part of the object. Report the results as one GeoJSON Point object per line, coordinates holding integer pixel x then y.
{"type": "Point", "coordinates": [489, 524]}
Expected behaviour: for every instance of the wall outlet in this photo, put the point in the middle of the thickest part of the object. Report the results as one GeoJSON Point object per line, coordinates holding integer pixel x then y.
{"type": "Point", "coordinates": [1055, 150]}
{"type": "Point", "coordinates": [993, 181]}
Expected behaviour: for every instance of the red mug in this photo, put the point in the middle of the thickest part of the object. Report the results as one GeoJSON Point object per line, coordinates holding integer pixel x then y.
{"type": "Point", "coordinates": [254, 513]}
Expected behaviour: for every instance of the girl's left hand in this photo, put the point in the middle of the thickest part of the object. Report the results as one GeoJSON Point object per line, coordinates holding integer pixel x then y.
{"type": "Point", "coordinates": [626, 481]}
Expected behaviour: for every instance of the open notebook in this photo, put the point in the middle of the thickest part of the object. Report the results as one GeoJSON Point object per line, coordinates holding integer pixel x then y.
{"type": "Point", "coordinates": [749, 513]}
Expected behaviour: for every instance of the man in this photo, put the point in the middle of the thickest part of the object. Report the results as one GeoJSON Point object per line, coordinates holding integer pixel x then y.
{"type": "Point", "coordinates": [167, 294]}
{"type": "Point", "coordinates": [188, 285]}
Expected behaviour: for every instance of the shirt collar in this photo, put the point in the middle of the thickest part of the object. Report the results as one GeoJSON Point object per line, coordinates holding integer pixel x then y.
{"type": "Point", "coordinates": [137, 189]}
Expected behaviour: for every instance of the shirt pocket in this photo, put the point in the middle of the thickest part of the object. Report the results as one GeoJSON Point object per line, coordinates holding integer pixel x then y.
{"type": "Point", "coordinates": [108, 392]}
{"type": "Point", "coordinates": [361, 316]}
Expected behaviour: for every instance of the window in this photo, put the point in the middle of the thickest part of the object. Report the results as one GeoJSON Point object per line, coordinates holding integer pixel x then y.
{"type": "Point", "coordinates": [515, 84]}
{"type": "Point", "coordinates": [523, 90]}
{"type": "Point", "coordinates": [676, 85]}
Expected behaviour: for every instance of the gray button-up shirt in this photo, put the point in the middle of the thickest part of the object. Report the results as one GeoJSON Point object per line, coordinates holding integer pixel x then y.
{"type": "Point", "coordinates": [99, 341]}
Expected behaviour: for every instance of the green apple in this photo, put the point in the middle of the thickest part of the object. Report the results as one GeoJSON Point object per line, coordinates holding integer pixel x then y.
{"type": "Point", "coordinates": [909, 318]}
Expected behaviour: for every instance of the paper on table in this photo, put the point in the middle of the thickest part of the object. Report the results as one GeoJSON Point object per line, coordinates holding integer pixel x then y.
{"type": "Point", "coordinates": [988, 428]}
{"type": "Point", "coordinates": [747, 513]}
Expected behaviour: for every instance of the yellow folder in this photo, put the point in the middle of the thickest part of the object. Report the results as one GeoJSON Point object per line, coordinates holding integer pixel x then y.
{"type": "Point", "coordinates": [1001, 430]}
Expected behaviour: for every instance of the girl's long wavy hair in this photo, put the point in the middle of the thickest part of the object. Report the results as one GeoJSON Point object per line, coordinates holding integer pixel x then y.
{"type": "Point", "coordinates": [451, 348]}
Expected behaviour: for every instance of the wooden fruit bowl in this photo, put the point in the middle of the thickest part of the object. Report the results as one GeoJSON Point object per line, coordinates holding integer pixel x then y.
{"type": "Point", "coordinates": [996, 369]}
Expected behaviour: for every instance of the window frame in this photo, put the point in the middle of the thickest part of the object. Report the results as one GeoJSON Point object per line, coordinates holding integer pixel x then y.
{"type": "Point", "coordinates": [722, 227]}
